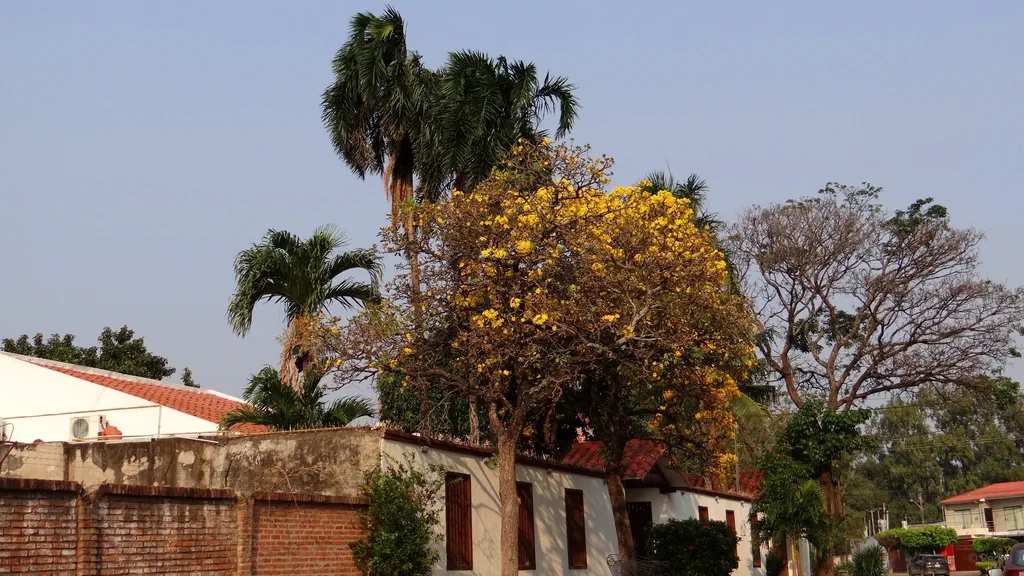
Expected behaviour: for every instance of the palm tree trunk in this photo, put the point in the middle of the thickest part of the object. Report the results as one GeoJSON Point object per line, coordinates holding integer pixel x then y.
{"type": "Point", "coordinates": [288, 370]}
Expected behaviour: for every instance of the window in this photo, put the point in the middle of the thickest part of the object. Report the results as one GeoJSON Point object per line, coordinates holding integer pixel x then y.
{"type": "Point", "coordinates": [755, 550]}
{"type": "Point", "coordinates": [962, 518]}
{"type": "Point", "coordinates": [702, 513]}
{"type": "Point", "coordinates": [575, 529]}
{"type": "Point", "coordinates": [1013, 518]}
{"type": "Point", "coordinates": [458, 515]}
{"type": "Point", "coordinates": [730, 521]}
{"type": "Point", "coordinates": [527, 545]}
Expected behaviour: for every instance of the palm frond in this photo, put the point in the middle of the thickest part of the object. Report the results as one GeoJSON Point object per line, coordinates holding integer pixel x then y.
{"type": "Point", "coordinates": [347, 410]}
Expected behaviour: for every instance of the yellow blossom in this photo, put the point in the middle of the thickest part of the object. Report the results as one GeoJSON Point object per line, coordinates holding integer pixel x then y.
{"type": "Point", "coordinates": [540, 319]}
{"type": "Point", "coordinates": [524, 246]}
{"type": "Point", "coordinates": [610, 317]}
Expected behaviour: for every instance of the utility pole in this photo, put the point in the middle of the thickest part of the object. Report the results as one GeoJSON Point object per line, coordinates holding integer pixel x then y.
{"type": "Point", "coordinates": [920, 505]}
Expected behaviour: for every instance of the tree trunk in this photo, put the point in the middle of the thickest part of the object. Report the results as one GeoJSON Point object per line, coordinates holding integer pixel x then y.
{"type": "Point", "coordinates": [474, 422]}
{"type": "Point", "coordinates": [509, 499]}
{"type": "Point", "coordinates": [829, 483]}
{"type": "Point", "coordinates": [623, 531]}
{"type": "Point", "coordinates": [288, 372]}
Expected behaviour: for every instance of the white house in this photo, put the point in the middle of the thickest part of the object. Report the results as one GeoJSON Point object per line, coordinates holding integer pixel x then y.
{"type": "Point", "coordinates": [54, 401]}
{"type": "Point", "coordinates": [657, 494]}
{"type": "Point", "coordinates": [565, 516]}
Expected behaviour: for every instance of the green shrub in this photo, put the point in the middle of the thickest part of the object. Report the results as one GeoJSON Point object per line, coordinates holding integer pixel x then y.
{"type": "Point", "coordinates": [695, 548]}
{"type": "Point", "coordinates": [774, 564]}
{"type": "Point", "coordinates": [868, 562]}
{"type": "Point", "coordinates": [400, 524]}
{"type": "Point", "coordinates": [986, 546]}
{"type": "Point", "coordinates": [927, 539]}
{"type": "Point", "coordinates": [985, 566]}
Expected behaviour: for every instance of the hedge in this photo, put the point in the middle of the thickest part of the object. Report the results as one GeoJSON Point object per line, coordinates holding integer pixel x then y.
{"type": "Point", "coordinates": [927, 539]}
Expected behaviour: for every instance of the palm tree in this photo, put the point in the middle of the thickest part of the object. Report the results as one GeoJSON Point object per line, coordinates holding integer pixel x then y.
{"type": "Point", "coordinates": [375, 109]}
{"type": "Point", "coordinates": [484, 105]}
{"type": "Point", "coordinates": [281, 407]}
{"type": "Point", "coordinates": [304, 275]}
{"type": "Point", "coordinates": [694, 189]}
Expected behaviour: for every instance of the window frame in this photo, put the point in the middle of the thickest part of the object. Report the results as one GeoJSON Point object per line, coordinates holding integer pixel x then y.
{"type": "Point", "coordinates": [579, 562]}
{"type": "Point", "coordinates": [703, 514]}
{"type": "Point", "coordinates": [528, 524]}
{"type": "Point", "coordinates": [458, 557]}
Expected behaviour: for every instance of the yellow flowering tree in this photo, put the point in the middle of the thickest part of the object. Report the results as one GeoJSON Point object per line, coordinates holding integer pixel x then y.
{"type": "Point", "coordinates": [541, 279]}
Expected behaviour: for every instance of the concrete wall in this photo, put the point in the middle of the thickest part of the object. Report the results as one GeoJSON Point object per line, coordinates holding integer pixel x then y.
{"type": "Point", "coordinates": [329, 462]}
{"type": "Point", "coordinates": [682, 505]}
{"type": "Point", "coordinates": [40, 404]}
{"type": "Point", "coordinates": [549, 510]}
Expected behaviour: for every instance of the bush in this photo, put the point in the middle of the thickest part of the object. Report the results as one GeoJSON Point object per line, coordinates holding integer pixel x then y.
{"type": "Point", "coordinates": [400, 524]}
{"type": "Point", "coordinates": [990, 546]}
{"type": "Point", "coordinates": [985, 566]}
{"type": "Point", "coordinates": [868, 562]}
{"type": "Point", "coordinates": [695, 548]}
{"type": "Point", "coordinates": [773, 564]}
{"type": "Point", "coordinates": [927, 539]}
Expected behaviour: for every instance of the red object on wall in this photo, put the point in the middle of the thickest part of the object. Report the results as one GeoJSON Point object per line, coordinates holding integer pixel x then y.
{"type": "Point", "coordinates": [950, 556]}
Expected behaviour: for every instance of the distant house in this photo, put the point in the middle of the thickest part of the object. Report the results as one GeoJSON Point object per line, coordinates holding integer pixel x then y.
{"type": "Point", "coordinates": [54, 401]}
{"type": "Point", "coordinates": [993, 510]}
{"type": "Point", "coordinates": [656, 494]}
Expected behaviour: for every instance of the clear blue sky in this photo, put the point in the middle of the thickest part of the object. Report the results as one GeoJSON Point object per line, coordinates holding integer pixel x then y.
{"type": "Point", "coordinates": [144, 144]}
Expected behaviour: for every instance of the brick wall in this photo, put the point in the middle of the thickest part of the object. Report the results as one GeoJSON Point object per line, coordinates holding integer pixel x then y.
{"type": "Point", "coordinates": [49, 527]}
{"type": "Point", "coordinates": [293, 536]}
{"type": "Point", "coordinates": [38, 528]}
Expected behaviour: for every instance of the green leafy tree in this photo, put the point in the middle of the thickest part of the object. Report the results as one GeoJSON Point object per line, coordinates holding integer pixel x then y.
{"type": "Point", "coordinates": [306, 276]}
{"type": "Point", "coordinates": [400, 525]}
{"type": "Point", "coordinates": [186, 378]}
{"type": "Point", "coordinates": [801, 475]}
{"type": "Point", "coordinates": [279, 406]}
{"type": "Point", "coordinates": [118, 351]}
{"type": "Point", "coordinates": [939, 443]}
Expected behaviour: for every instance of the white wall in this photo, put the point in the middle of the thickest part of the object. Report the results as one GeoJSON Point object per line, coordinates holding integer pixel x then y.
{"type": "Point", "coordinates": [682, 505]}
{"type": "Point", "coordinates": [40, 403]}
{"type": "Point", "coordinates": [548, 509]}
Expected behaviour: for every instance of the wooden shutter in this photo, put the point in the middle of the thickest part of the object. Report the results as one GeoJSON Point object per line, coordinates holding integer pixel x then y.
{"type": "Point", "coordinates": [702, 513]}
{"type": "Point", "coordinates": [458, 515]}
{"type": "Point", "coordinates": [575, 529]}
{"type": "Point", "coordinates": [730, 521]}
{"type": "Point", "coordinates": [755, 550]}
{"type": "Point", "coordinates": [527, 543]}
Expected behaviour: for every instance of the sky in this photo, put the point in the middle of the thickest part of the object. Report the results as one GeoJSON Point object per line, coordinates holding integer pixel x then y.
{"type": "Point", "coordinates": [143, 144]}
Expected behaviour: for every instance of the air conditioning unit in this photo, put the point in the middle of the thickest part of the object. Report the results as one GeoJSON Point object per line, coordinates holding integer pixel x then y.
{"type": "Point", "coordinates": [83, 427]}
{"type": "Point", "coordinates": [4, 430]}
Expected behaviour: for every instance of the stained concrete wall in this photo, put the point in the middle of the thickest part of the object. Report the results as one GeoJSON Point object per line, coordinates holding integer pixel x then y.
{"type": "Point", "coordinates": [329, 462]}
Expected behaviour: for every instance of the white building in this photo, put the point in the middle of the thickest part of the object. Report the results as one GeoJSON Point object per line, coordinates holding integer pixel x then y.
{"type": "Point", "coordinates": [565, 516]}
{"type": "Point", "coordinates": [54, 401]}
{"type": "Point", "coordinates": [657, 494]}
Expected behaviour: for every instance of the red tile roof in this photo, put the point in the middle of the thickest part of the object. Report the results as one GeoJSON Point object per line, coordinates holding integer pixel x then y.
{"type": "Point", "coordinates": [638, 459]}
{"type": "Point", "coordinates": [204, 405]}
{"type": "Point", "coordinates": [990, 492]}
{"type": "Point", "coordinates": [750, 482]}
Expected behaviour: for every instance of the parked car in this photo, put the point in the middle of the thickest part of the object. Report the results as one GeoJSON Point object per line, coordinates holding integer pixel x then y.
{"type": "Point", "coordinates": [928, 565]}
{"type": "Point", "coordinates": [1015, 561]}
